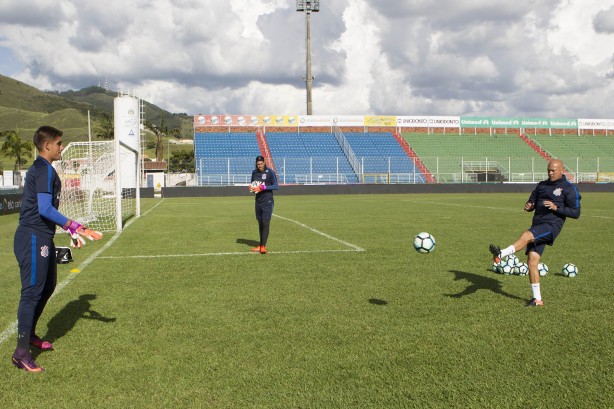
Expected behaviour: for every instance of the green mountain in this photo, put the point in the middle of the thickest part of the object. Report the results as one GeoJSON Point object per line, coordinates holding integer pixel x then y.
{"type": "Point", "coordinates": [25, 108]}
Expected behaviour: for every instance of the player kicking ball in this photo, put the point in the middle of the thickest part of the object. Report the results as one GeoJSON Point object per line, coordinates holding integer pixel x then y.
{"type": "Point", "coordinates": [34, 247]}
{"type": "Point", "coordinates": [553, 200]}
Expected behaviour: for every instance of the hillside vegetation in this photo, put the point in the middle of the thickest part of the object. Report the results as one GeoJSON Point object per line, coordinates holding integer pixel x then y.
{"type": "Point", "coordinates": [24, 108]}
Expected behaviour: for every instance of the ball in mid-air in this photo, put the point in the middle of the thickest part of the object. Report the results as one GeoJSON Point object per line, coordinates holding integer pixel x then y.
{"type": "Point", "coordinates": [570, 270]}
{"type": "Point", "coordinates": [424, 243]}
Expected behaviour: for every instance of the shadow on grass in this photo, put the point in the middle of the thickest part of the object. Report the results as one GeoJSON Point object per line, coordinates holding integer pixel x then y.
{"type": "Point", "coordinates": [250, 243]}
{"type": "Point", "coordinates": [478, 282]}
{"type": "Point", "coordinates": [61, 324]}
{"type": "Point", "coordinates": [377, 301]}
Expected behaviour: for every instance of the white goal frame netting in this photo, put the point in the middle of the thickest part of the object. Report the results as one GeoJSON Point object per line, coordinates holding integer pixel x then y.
{"type": "Point", "coordinates": [100, 184]}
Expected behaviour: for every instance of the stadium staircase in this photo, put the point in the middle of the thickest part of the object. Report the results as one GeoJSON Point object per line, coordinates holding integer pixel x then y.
{"type": "Point", "coordinates": [535, 147]}
{"type": "Point", "coordinates": [414, 157]}
{"type": "Point", "coordinates": [264, 149]}
{"type": "Point", "coordinates": [545, 155]}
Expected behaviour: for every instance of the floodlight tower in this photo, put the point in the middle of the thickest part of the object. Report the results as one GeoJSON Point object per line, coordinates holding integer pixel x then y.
{"type": "Point", "coordinates": [308, 6]}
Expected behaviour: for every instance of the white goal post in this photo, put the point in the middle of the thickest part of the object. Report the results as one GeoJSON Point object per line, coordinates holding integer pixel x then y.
{"type": "Point", "coordinates": [99, 184]}
{"type": "Point", "coordinates": [101, 180]}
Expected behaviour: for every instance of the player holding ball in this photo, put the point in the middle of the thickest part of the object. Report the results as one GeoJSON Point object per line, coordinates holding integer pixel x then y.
{"type": "Point", "coordinates": [264, 200]}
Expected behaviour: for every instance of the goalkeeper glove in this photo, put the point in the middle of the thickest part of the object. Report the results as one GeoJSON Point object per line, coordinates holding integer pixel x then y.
{"type": "Point", "coordinates": [76, 241]}
{"type": "Point", "coordinates": [77, 230]}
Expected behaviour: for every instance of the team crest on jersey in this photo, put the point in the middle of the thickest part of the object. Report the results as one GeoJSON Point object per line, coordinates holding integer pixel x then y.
{"type": "Point", "coordinates": [45, 251]}
{"type": "Point", "coordinates": [557, 192]}
{"type": "Point", "coordinates": [263, 176]}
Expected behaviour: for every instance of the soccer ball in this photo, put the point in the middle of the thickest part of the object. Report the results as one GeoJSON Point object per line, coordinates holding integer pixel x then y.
{"type": "Point", "coordinates": [505, 269]}
{"type": "Point", "coordinates": [513, 262]}
{"type": "Point", "coordinates": [255, 183]}
{"type": "Point", "coordinates": [543, 269]}
{"type": "Point", "coordinates": [424, 243]}
{"type": "Point", "coordinates": [523, 269]}
{"type": "Point", "coordinates": [495, 267]}
{"type": "Point", "coordinates": [570, 270]}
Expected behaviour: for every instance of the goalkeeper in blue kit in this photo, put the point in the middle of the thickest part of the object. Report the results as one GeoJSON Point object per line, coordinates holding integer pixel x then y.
{"type": "Point", "coordinates": [553, 200]}
{"type": "Point", "coordinates": [33, 244]}
{"type": "Point", "coordinates": [264, 200]}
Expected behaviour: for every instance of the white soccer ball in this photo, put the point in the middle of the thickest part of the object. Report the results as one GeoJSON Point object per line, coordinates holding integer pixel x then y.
{"type": "Point", "coordinates": [495, 266]}
{"type": "Point", "coordinates": [542, 269]}
{"type": "Point", "coordinates": [523, 269]}
{"type": "Point", "coordinates": [255, 183]}
{"type": "Point", "coordinates": [570, 270]}
{"type": "Point", "coordinates": [424, 243]}
{"type": "Point", "coordinates": [506, 269]}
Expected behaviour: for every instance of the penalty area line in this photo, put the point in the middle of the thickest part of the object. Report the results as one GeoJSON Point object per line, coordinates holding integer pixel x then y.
{"type": "Point", "coordinates": [328, 236]}
{"type": "Point", "coordinates": [227, 253]}
{"type": "Point", "coordinates": [12, 328]}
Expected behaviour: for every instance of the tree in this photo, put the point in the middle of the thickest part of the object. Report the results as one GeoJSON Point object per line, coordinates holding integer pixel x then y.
{"type": "Point", "coordinates": [106, 128]}
{"type": "Point", "coordinates": [16, 148]}
{"type": "Point", "coordinates": [160, 132]}
{"type": "Point", "coordinates": [182, 161]}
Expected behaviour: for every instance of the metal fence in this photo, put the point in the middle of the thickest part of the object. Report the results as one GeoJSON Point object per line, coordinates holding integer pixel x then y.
{"type": "Point", "coordinates": [334, 170]}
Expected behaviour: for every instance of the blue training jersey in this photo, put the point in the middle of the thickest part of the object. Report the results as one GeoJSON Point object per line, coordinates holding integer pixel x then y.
{"type": "Point", "coordinates": [40, 178]}
{"type": "Point", "coordinates": [269, 178]}
{"type": "Point", "coordinates": [562, 193]}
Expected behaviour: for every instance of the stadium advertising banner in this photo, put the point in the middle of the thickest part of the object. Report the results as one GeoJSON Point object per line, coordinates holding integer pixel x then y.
{"type": "Point", "coordinates": [10, 203]}
{"type": "Point", "coordinates": [245, 120]}
{"type": "Point", "coordinates": [349, 120]}
{"type": "Point", "coordinates": [428, 121]}
{"type": "Point", "coordinates": [501, 122]}
{"type": "Point", "coordinates": [601, 124]}
{"type": "Point", "coordinates": [413, 122]}
{"type": "Point", "coordinates": [379, 120]}
{"type": "Point", "coordinates": [545, 123]}
{"type": "Point", "coordinates": [315, 120]}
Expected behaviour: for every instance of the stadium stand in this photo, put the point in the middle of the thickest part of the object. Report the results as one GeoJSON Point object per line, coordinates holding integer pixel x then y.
{"type": "Point", "coordinates": [309, 158]}
{"type": "Point", "coordinates": [224, 158]}
{"type": "Point", "coordinates": [580, 153]}
{"type": "Point", "coordinates": [455, 158]}
{"type": "Point", "coordinates": [380, 153]}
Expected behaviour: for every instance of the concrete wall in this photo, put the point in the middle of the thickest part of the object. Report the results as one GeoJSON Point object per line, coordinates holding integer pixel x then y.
{"type": "Point", "coordinates": [192, 191]}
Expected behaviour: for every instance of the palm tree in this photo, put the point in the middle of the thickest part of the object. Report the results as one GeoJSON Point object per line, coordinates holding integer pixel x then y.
{"type": "Point", "coordinates": [15, 147]}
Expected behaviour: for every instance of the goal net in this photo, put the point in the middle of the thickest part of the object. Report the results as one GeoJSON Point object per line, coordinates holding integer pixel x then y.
{"type": "Point", "coordinates": [99, 184]}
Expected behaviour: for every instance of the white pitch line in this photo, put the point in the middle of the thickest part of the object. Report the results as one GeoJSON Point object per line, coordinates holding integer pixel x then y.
{"type": "Point", "coordinates": [328, 236]}
{"type": "Point", "coordinates": [12, 328]}
{"type": "Point", "coordinates": [233, 253]}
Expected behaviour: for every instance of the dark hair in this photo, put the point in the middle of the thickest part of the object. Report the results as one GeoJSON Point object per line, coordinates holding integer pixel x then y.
{"type": "Point", "coordinates": [45, 134]}
{"type": "Point", "coordinates": [259, 158]}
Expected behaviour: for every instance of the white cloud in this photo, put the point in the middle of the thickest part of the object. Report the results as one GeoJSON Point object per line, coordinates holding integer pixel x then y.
{"type": "Point", "coordinates": [528, 58]}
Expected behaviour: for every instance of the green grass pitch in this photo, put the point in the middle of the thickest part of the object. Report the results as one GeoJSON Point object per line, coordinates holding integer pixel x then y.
{"type": "Point", "coordinates": [342, 313]}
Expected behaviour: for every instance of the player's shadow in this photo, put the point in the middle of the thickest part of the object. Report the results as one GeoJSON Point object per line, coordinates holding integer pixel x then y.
{"type": "Point", "coordinates": [61, 324]}
{"type": "Point", "coordinates": [478, 282]}
{"type": "Point", "coordinates": [247, 242]}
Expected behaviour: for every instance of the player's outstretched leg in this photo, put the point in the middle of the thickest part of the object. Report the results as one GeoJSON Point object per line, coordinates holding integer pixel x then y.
{"type": "Point", "coordinates": [496, 253]}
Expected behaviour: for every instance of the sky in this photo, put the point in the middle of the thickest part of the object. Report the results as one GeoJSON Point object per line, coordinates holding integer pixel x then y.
{"type": "Point", "coordinates": [526, 58]}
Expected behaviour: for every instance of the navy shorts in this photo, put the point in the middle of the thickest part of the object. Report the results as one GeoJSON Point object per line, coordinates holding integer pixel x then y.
{"type": "Point", "coordinates": [37, 264]}
{"type": "Point", "coordinates": [264, 210]}
{"type": "Point", "coordinates": [544, 234]}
